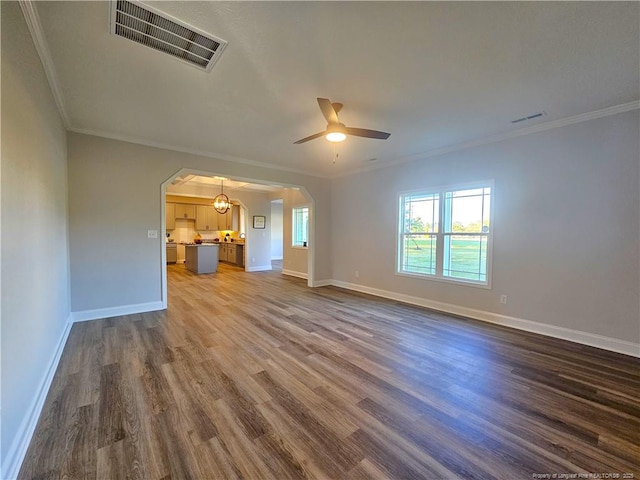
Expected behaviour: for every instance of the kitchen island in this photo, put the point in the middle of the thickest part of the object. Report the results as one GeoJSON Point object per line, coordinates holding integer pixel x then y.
{"type": "Point", "coordinates": [202, 258]}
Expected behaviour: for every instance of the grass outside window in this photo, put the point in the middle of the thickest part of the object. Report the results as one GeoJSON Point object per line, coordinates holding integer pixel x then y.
{"type": "Point", "coordinates": [446, 234]}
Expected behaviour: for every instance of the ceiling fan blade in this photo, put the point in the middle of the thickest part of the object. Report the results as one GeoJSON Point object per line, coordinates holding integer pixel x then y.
{"type": "Point", "coordinates": [310, 137]}
{"type": "Point", "coordinates": [363, 132]}
{"type": "Point", "coordinates": [327, 110]}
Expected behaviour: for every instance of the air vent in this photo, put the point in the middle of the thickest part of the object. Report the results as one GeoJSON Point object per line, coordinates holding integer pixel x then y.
{"type": "Point", "coordinates": [529, 117]}
{"type": "Point", "coordinates": [159, 31]}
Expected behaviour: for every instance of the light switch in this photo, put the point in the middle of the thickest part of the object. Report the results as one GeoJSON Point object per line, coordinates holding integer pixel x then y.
{"type": "Point", "coordinates": [152, 233]}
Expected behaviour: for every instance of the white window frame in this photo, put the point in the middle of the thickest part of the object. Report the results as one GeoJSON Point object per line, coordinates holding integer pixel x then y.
{"type": "Point", "coordinates": [440, 235]}
{"type": "Point", "coordinates": [293, 226]}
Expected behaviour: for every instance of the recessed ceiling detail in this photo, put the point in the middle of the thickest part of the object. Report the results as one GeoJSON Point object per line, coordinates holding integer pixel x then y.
{"type": "Point", "coordinates": [157, 30]}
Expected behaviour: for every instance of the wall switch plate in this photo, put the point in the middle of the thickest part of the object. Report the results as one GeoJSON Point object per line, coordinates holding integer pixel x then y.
{"type": "Point", "coordinates": [503, 299]}
{"type": "Point", "coordinates": [152, 233]}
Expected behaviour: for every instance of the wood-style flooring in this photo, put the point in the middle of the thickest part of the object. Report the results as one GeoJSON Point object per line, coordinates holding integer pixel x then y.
{"type": "Point", "coordinates": [256, 376]}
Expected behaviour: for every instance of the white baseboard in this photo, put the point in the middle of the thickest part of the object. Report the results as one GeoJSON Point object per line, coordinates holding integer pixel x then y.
{"type": "Point", "coordinates": [293, 273]}
{"type": "Point", "coordinates": [85, 315]}
{"type": "Point", "coordinates": [321, 283]}
{"type": "Point", "coordinates": [577, 336]}
{"type": "Point", "coordinates": [259, 268]}
{"type": "Point", "coordinates": [18, 449]}
{"type": "Point", "coordinates": [277, 258]}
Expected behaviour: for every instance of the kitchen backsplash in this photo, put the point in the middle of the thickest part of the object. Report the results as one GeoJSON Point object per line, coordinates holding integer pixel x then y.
{"type": "Point", "coordinates": [185, 231]}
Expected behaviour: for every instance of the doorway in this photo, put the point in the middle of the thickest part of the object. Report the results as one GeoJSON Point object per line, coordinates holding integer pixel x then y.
{"type": "Point", "coordinates": [254, 196]}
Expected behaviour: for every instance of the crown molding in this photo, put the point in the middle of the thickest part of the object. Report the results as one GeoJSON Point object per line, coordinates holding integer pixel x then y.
{"type": "Point", "coordinates": [562, 122]}
{"type": "Point", "coordinates": [193, 151]}
{"type": "Point", "coordinates": [500, 137]}
{"type": "Point", "coordinates": [35, 28]}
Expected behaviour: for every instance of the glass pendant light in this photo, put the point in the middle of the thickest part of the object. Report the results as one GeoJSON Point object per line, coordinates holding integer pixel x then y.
{"type": "Point", "coordinates": [221, 202]}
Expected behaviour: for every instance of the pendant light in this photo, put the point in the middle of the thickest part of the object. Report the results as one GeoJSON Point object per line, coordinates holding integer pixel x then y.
{"type": "Point", "coordinates": [221, 202]}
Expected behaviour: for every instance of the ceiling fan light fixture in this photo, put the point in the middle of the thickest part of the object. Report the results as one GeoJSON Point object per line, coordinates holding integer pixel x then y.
{"type": "Point", "coordinates": [336, 131]}
{"type": "Point", "coordinates": [336, 137]}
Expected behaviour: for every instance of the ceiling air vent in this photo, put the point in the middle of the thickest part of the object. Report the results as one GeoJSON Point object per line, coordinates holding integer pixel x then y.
{"type": "Point", "coordinates": [155, 29]}
{"type": "Point", "coordinates": [529, 117]}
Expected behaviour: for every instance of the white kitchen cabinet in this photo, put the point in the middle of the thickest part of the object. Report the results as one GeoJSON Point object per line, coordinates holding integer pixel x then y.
{"type": "Point", "coordinates": [185, 211]}
{"type": "Point", "coordinates": [170, 216]}
{"type": "Point", "coordinates": [206, 218]}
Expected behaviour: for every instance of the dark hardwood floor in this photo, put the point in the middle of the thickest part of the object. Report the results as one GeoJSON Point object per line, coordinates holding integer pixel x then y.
{"type": "Point", "coordinates": [256, 376]}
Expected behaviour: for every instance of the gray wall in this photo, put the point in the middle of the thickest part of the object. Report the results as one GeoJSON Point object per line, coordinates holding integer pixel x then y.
{"type": "Point", "coordinates": [566, 226]}
{"type": "Point", "coordinates": [115, 186]}
{"type": "Point", "coordinates": [35, 261]}
{"type": "Point", "coordinates": [276, 230]}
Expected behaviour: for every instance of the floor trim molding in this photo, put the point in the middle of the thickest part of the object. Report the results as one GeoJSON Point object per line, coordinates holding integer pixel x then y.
{"type": "Point", "coordinates": [259, 268]}
{"type": "Point", "coordinates": [293, 273]}
{"type": "Point", "coordinates": [577, 336]}
{"type": "Point", "coordinates": [18, 449]}
{"type": "Point", "coordinates": [83, 316]}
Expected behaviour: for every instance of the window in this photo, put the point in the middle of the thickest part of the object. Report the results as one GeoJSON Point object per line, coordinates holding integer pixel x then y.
{"type": "Point", "coordinates": [300, 222]}
{"type": "Point", "coordinates": [445, 234]}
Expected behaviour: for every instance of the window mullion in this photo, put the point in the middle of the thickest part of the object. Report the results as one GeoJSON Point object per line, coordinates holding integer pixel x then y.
{"type": "Point", "coordinates": [454, 247]}
{"type": "Point", "coordinates": [440, 237]}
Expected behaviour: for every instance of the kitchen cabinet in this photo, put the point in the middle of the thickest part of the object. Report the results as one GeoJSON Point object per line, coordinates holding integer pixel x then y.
{"type": "Point", "coordinates": [230, 220]}
{"type": "Point", "coordinates": [206, 218]}
{"type": "Point", "coordinates": [223, 220]}
{"type": "Point", "coordinates": [227, 251]}
{"type": "Point", "coordinates": [170, 216]}
{"type": "Point", "coordinates": [232, 253]}
{"type": "Point", "coordinates": [185, 211]}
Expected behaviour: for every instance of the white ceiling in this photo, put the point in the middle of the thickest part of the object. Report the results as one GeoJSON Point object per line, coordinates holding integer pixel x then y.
{"type": "Point", "coordinates": [435, 75]}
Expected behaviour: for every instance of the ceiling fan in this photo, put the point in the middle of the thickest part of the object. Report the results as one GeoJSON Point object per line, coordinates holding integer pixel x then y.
{"type": "Point", "coordinates": [336, 131]}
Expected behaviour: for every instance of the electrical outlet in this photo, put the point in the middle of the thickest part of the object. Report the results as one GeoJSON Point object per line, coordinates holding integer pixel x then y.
{"type": "Point", "coordinates": [357, 273]}
{"type": "Point", "coordinates": [152, 233]}
{"type": "Point", "coordinates": [503, 299]}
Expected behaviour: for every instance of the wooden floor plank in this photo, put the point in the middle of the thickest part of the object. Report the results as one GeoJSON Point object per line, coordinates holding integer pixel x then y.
{"type": "Point", "coordinates": [256, 376]}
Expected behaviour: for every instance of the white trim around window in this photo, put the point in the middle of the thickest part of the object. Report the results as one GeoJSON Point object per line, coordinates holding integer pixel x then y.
{"type": "Point", "coordinates": [445, 233]}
